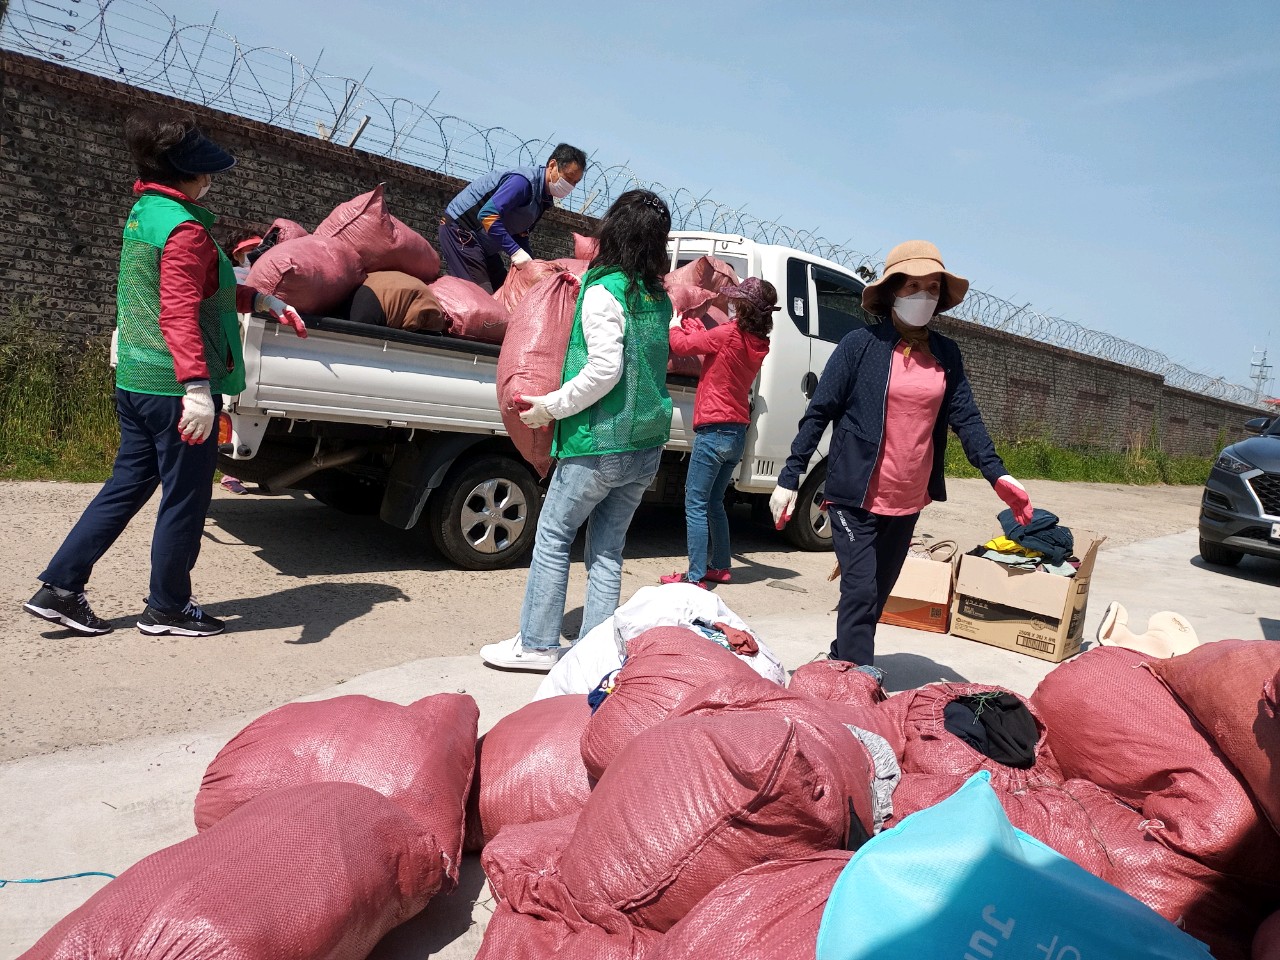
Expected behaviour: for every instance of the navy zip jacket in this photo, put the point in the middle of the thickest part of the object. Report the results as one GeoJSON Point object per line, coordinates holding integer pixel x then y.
{"type": "Point", "coordinates": [852, 394]}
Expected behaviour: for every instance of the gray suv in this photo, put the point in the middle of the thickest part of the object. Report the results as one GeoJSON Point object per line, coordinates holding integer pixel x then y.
{"type": "Point", "coordinates": [1240, 510]}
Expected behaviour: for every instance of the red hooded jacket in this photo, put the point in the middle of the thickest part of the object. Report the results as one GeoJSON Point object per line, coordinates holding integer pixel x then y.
{"type": "Point", "coordinates": [731, 358]}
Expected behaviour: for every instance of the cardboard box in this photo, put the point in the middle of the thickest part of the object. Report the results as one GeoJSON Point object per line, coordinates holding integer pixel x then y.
{"type": "Point", "coordinates": [1039, 614]}
{"type": "Point", "coordinates": [921, 597]}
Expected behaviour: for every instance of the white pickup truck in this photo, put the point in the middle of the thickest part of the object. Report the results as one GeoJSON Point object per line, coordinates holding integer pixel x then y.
{"type": "Point", "coordinates": [369, 419]}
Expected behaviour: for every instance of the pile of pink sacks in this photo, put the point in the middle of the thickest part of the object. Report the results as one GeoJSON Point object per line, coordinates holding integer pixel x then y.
{"type": "Point", "coordinates": [317, 273]}
{"type": "Point", "coordinates": [321, 827]}
{"type": "Point", "coordinates": [702, 811]}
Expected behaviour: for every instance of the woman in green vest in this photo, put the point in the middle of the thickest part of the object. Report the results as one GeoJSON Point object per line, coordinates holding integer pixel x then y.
{"type": "Point", "coordinates": [177, 302]}
{"type": "Point", "coordinates": [612, 417]}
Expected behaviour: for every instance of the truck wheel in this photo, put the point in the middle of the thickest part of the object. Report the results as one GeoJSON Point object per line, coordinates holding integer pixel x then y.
{"type": "Point", "coordinates": [484, 515]}
{"type": "Point", "coordinates": [810, 526]}
{"type": "Point", "coordinates": [1219, 555]}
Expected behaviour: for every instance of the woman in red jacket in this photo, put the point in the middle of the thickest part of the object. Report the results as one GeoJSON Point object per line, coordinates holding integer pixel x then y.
{"type": "Point", "coordinates": [732, 354]}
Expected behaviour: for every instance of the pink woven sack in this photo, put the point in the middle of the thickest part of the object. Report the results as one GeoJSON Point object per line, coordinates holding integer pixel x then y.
{"type": "Point", "coordinates": [321, 871]}
{"type": "Point", "coordinates": [420, 756]}
{"type": "Point", "coordinates": [530, 769]}
{"type": "Point", "coordinates": [769, 912]}
{"type": "Point", "coordinates": [585, 248]}
{"type": "Point", "coordinates": [469, 311]}
{"type": "Point", "coordinates": [312, 274]}
{"type": "Point", "coordinates": [663, 666]}
{"type": "Point", "coordinates": [532, 360]}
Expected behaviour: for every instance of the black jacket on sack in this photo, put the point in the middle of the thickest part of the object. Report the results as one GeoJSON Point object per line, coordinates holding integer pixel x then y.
{"type": "Point", "coordinates": [852, 394]}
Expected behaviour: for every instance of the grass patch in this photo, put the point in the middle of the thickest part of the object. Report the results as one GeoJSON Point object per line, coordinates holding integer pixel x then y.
{"type": "Point", "coordinates": [1039, 460]}
{"type": "Point", "coordinates": [57, 403]}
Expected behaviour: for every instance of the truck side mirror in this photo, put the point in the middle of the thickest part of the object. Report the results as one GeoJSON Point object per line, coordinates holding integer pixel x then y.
{"type": "Point", "coordinates": [1257, 424]}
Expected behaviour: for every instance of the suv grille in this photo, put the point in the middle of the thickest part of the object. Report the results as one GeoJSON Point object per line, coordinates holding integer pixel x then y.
{"type": "Point", "coordinates": [1267, 487]}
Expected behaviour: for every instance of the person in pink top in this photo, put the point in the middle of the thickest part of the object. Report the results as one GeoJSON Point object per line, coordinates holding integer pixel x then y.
{"type": "Point", "coordinates": [732, 354]}
{"type": "Point", "coordinates": [890, 390]}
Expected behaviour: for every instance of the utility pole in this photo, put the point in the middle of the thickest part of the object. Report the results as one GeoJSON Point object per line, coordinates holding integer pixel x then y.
{"type": "Point", "coordinates": [1261, 374]}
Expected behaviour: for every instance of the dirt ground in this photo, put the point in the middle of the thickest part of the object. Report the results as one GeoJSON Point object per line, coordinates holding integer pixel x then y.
{"type": "Point", "coordinates": [313, 597]}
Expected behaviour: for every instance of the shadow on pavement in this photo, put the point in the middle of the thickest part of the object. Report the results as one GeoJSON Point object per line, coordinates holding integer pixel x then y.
{"type": "Point", "coordinates": [906, 671]}
{"type": "Point", "coordinates": [317, 609]}
{"type": "Point", "coordinates": [1253, 569]}
{"type": "Point", "coordinates": [303, 538]}
{"type": "Point", "coordinates": [445, 920]}
{"type": "Point", "coordinates": [1270, 628]}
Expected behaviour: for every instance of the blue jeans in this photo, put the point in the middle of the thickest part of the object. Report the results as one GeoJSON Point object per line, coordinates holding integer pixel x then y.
{"type": "Point", "coordinates": [151, 455]}
{"type": "Point", "coordinates": [717, 450]}
{"type": "Point", "coordinates": [603, 492]}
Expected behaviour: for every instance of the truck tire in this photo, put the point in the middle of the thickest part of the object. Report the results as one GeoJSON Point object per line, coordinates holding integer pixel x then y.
{"type": "Point", "coordinates": [484, 515]}
{"type": "Point", "coordinates": [810, 526]}
{"type": "Point", "coordinates": [1218, 555]}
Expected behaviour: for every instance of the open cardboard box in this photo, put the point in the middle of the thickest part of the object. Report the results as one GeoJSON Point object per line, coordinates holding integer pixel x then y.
{"type": "Point", "coordinates": [1039, 614]}
{"type": "Point", "coordinates": [921, 596]}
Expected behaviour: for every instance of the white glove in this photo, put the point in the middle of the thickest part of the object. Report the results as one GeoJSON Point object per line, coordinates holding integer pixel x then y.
{"type": "Point", "coordinates": [782, 503]}
{"type": "Point", "coordinates": [196, 422]}
{"type": "Point", "coordinates": [266, 303]}
{"type": "Point", "coordinates": [536, 414]}
{"type": "Point", "coordinates": [519, 257]}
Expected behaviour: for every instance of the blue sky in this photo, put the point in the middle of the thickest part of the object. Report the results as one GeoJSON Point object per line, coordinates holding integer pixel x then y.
{"type": "Point", "coordinates": [1114, 164]}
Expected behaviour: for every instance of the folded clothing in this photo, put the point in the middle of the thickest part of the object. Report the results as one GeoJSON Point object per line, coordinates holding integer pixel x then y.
{"type": "Point", "coordinates": [1043, 533]}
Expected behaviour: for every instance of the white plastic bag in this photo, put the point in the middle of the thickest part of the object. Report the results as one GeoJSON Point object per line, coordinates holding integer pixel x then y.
{"type": "Point", "coordinates": [601, 651]}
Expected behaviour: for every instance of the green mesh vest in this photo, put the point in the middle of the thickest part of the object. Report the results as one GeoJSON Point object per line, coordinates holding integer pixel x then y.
{"type": "Point", "coordinates": [145, 364]}
{"type": "Point", "coordinates": [636, 413]}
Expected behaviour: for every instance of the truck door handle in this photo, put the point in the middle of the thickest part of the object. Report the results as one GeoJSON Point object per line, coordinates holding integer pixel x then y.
{"type": "Point", "coordinates": [808, 384]}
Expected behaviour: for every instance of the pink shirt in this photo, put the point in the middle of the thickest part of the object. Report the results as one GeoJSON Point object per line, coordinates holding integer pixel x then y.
{"type": "Point", "coordinates": [900, 483]}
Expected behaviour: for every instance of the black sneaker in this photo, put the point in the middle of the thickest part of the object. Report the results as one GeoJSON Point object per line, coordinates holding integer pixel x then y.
{"type": "Point", "coordinates": [191, 622]}
{"type": "Point", "coordinates": [72, 610]}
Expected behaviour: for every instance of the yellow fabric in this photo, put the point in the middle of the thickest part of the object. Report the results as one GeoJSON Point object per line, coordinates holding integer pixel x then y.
{"type": "Point", "coordinates": [1003, 544]}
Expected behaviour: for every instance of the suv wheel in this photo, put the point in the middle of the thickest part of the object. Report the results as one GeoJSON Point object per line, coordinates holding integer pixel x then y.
{"type": "Point", "coordinates": [1218, 555]}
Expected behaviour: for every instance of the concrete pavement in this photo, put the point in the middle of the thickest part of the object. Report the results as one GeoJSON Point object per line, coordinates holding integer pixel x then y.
{"type": "Point", "coordinates": [104, 808]}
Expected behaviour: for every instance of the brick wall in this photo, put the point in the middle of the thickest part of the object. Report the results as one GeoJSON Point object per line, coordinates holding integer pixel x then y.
{"type": "Point", "coordinates": [65, 181]}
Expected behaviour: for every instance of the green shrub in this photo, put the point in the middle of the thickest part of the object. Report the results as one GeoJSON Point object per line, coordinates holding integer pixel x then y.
{"type": "Point", "coordinates": [1041, 460]}
{"type": "Point", "coordinates": [57, 406]}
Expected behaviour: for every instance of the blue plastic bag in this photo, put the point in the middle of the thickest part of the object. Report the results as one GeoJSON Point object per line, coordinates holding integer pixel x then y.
{"type": "Point", "coordinates": [957, 880]}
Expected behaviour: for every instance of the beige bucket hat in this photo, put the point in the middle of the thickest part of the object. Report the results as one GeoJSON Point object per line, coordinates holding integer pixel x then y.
{"type": "Point", "coordinates": [915, 258]}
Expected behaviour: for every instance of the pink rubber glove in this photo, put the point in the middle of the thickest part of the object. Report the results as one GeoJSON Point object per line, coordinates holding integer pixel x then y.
{"type": "Point", "coordinates": [1015, 497]}
{"type": "Point", "coordinates": [285, 314]}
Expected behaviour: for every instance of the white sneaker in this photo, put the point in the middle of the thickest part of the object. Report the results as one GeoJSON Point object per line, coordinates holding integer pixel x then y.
{"type": "Point", "coordinates": [513, 655]}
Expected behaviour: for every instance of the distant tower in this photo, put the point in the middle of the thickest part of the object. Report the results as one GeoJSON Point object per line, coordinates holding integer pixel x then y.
{"type": "Point", "coordinates": [1261, 374]}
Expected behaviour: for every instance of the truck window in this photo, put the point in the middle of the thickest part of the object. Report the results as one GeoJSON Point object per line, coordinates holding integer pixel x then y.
{"type": "Point", "coordinates": [839, 305]}
{"type": "Point", "coordinates": [797, 295]}
{"type": "Point", "coordinates": [739, 264]}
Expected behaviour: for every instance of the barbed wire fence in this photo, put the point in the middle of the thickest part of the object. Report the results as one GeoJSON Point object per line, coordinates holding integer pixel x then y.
{"type": "Point", "coordinates": [137, 42]}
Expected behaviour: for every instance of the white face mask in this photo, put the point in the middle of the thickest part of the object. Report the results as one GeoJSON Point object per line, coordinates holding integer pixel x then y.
{"type": "Point", "coordinates": [204, 189]}
{"type": "Point", "coordinates": [915, 310]}
{"type": "Point", "coordinates": [733, 311]}
{"type": "Point", "coordinates": [560, 188]}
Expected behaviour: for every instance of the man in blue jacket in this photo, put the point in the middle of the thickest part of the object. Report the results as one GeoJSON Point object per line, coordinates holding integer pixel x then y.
{"type": "Point", "coordinates": [493, 215]}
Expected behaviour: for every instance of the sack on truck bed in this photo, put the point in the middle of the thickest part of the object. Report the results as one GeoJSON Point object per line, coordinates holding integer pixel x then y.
{"type": "Point", "coordinates": [584, 247]}
{"type": "Point", "coordinates": [663, 666]}
{"type": "Point", "coordinates": [381, 241]}
{"type": "Point", "coordinates": [769, 912]}
{"type": "Point", "coordinates": [398, 301]}
{"type": "Point", "coordinates": [469, 311]}
{"type": "Point", "coordinates": [420, 756]}
{"type": "Point", "coordinates": [319, 871]}
{"type": "Point", "coordinates": [529, 769]}
{"type": "Point", "coordinates": [532, 360]}
{"type": "Point", "coordinates": [1112, 722]}
{"type": "Point", "coordinates": [312, 274]}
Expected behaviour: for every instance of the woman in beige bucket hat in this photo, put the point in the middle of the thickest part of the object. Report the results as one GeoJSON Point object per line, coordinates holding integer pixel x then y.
{"type": "Point", "coordinates": [891, 389]}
